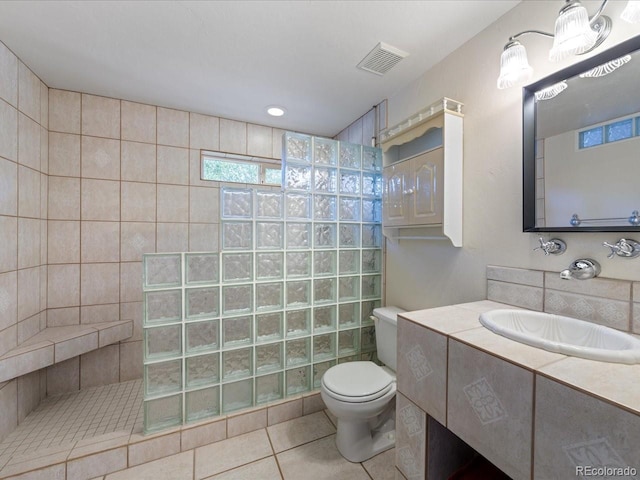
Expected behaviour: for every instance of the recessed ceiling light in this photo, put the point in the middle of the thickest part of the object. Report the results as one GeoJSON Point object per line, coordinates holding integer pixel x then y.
{"type": "Point", "coordinates": [275, 111]}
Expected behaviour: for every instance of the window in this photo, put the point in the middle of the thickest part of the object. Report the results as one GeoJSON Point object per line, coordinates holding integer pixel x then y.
{"type": "Point", "coordinates": [225, 167]}
{"type": "Point", "coordinates": [609, 133]}
{"type": "Point", "coordinates": [619, 130]}
{"type": "Point", "coordinates": [591, 137]}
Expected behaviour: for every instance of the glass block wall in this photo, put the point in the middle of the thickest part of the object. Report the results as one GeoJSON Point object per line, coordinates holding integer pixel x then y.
{"type": "Point", "coordinates": [289, 295]}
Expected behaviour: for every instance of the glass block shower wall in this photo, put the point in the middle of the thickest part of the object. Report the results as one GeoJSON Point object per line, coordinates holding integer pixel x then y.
{"type": "Point", "coordinates": [290, 294]}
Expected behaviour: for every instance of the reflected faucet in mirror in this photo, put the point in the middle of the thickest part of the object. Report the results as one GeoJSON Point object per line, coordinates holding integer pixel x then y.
{"type": "Point", "coordinates": [581, 269]}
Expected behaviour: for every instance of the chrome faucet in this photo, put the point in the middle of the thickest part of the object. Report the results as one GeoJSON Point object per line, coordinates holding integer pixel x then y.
{"type": "Point", "coordinates": [624, 248]}
{"type": "Point", "coordinates": [581, 269]}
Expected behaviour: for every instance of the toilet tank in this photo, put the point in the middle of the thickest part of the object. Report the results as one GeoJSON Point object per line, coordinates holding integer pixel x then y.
{"type": "Point", "coordinates": [387, 334]}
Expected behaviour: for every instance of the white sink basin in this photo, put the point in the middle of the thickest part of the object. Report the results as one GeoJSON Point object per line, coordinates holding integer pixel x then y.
{"type": "Point", "coordinates": [565, 335]}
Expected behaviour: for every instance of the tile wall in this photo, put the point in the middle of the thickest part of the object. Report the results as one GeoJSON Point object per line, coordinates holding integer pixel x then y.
{"type": "Point", "coordinates": [124, 179]}
{"type": "Point", "coordinates": [606, 301]}
{"type": "Point", "coordinates": [87, 184]}
{"type": "Point", "coordinates": [23, 226]}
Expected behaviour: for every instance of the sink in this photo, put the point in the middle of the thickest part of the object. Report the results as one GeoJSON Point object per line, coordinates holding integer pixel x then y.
{"type": "Point", "coordinates": [565, 335]}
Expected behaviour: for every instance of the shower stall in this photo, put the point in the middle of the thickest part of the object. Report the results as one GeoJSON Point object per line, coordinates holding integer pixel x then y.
{"type": "Point", "coordinates": [290, 293]}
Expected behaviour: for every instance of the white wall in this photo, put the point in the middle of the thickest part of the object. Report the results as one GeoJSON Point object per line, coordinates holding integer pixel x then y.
{"type": "Point", "coordinates": [422, 274]}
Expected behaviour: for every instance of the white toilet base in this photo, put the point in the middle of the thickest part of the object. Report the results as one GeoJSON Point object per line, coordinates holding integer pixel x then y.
{"type": "Point", "coordinates": [357, 442]}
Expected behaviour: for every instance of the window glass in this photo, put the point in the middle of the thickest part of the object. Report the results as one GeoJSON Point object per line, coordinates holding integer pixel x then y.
{"type": "Point", "coordinates": [591, 138]}
{"type": "Point", "coordinates": [252, 170]}
{"type": "Point", "coordinates": [619, 130]}
{"type": "Point", "coordinates": [273, 176]}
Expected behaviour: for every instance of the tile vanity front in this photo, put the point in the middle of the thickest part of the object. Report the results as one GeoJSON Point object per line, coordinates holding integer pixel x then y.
{"type": "Point", "coordinates": [532, 413]}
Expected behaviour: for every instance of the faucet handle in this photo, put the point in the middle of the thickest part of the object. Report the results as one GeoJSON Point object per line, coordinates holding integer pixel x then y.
{"type": "Point", "coordinates": [554, 246]}
{"type": "Point", "coordinates": [614, 249]}
{"type": "Point", "coordinates": [623, 248]}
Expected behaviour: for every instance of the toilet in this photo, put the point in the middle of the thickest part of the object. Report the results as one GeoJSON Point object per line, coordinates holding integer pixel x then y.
{"type": "Point", "coordinates": [362, 395]}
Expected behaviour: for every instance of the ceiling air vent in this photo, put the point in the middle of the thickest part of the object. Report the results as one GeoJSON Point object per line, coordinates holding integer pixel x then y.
{"type": "Point", "coordinates": [381, 59]}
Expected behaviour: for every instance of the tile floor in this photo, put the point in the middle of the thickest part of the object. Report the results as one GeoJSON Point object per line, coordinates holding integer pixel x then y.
{"type": "Point", "coordinates": [65, 419]}
{"type": "Point", "coordinates": [302, 448]}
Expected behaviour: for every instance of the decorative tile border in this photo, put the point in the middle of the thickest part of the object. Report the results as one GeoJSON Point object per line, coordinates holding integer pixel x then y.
{"type": "Point", "coordinates": [611, 313]}
{"type": "Point", "coordinates": [513, 294]}
{"type": "Point", "coordinates": [606, 301]}
{"type": "Point", "coordinates": [595, 287]}
{"type": "Point", "coordinates": [533, 278]}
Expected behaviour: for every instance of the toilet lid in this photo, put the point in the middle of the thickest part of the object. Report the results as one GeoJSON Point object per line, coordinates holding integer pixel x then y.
{"type": "Point", "coordinates": [357, 381]}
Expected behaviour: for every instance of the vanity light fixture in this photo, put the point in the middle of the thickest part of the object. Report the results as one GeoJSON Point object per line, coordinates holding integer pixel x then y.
{"type": "Point", "coordinates": [575, 33]}
{"type": "Point", "coordinates": [275, 111]}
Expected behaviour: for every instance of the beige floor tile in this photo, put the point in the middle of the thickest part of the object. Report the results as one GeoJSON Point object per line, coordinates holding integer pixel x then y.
{"type": "Point", "coordinates": [231, 453]}
{"type": "Point", "coordinates": [319, 460]}
{"type": "Point", "coordinates": [382, 466]}
{"type": "Point", "coordinates": [4, 459]}
{"type": "Point", "coordinates": [265, 469]}
{"type": "Point", "coordinates": [299, 431]}
{"type": "Point", "coordinates": [175, 467]}
{"type": "Point", "coordinates": [332, 417]}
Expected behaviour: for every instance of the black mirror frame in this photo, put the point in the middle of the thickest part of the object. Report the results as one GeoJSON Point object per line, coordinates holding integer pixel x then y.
{"type": "Point", "coordinates": [529, 138]}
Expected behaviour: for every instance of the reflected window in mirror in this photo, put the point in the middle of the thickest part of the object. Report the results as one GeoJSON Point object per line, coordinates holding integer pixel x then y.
{"type": "Point", "coordinates": [608, 133]}
{"type": "Point", "coordinates": [580, 145]}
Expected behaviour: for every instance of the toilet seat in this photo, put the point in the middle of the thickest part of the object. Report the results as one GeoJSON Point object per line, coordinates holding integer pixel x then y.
{"type": "Point", "coordinates": [357, 382]}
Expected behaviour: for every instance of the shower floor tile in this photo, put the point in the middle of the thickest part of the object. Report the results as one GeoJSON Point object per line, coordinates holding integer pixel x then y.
{"type": "Point", "coordinates": [62, 420]}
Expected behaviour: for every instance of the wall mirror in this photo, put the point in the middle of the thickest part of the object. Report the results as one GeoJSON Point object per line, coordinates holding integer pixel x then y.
{"type": "Point", "coordinates": [581, 145]}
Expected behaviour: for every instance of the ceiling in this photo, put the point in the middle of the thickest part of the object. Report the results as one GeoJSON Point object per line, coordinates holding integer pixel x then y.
{"type": "Point", "coordinates": [590, 101]}
{"type": "Point", "coordinates": [234, 58]}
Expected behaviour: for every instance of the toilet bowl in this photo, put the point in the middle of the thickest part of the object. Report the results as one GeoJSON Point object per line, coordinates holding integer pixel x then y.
{"type": "Point", "coordinates": [362, 395]}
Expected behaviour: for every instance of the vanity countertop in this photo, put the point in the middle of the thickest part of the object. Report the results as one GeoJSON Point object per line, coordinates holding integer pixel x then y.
{"type": "Point", "coordinates": [615, 383]}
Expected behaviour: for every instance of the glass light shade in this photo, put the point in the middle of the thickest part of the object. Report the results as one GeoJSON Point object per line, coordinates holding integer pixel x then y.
{"type": "Point", "coordinates": [573, 33]}
{"type": "Point", "coordinates": [631, 12]}
{"type": "Point", "coordinates": [514, 66]}
{"type": "Point", "coordinates": [552, 91]}
{"type": "Point", "coordinates": [606, 68]}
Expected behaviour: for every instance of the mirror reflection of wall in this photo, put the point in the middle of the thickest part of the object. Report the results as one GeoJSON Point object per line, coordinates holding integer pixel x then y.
{"type": "Point", "coordinates": [588, 147]}
{"type": "Point", "coordinates": [575, 178]}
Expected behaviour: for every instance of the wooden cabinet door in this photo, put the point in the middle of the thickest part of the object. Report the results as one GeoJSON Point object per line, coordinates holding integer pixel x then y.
{"type": "Point", "coordinates": [426, 197]}
{"type": "Point", "coordinates": [395, 203]}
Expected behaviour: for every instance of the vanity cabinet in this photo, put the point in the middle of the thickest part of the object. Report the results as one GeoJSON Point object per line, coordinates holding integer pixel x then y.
{"type": "Point", "coordinates": [575, 431]}
{"type": "Point", "coordinates": [422, 175]}
{"type": "Point", "coordinates": [534, 414]}
{"type": "Point", "coordinates": [413, 191]}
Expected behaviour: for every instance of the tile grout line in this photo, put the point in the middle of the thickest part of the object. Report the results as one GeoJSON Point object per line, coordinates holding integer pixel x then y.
{"type": "Point", "coordinates": [275, 457]}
